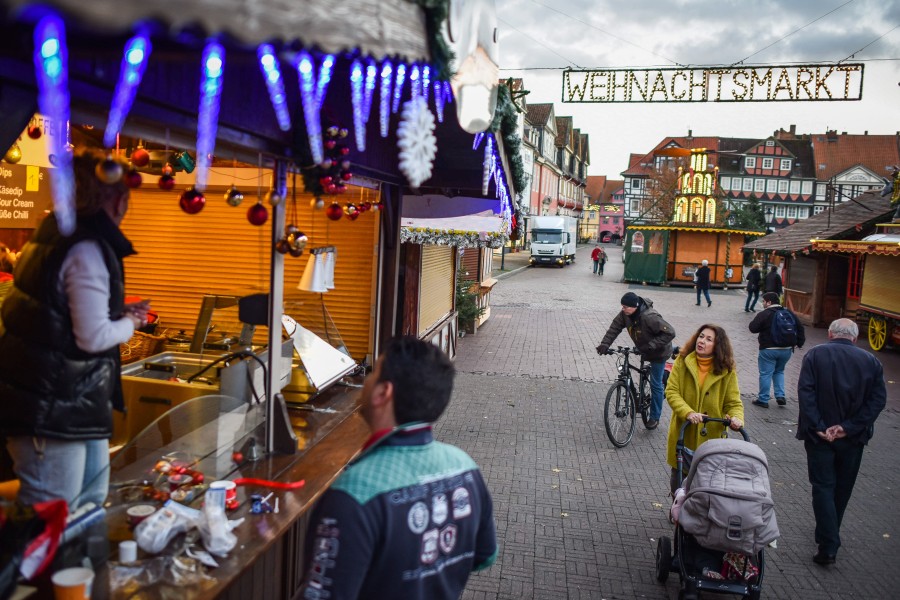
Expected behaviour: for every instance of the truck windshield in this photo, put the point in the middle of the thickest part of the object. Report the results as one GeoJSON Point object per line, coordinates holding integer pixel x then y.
{"type": "Point", "coordinates": [546, 237]}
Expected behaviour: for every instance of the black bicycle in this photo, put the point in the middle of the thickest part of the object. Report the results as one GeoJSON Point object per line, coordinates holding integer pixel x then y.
{"type": "Point", "coordinates": [623, 401]}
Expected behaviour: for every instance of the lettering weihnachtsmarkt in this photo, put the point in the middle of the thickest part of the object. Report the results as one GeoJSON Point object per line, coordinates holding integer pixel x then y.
{"type": "Point", "coordinates": [795, 83]}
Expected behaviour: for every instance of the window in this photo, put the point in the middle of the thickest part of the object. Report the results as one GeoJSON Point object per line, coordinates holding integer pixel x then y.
{"type": "Point", "coordinates": [807, 188]}
{"type": "Point", "coordinates": [750, 162]}
{"type": "Point", "coordinates": [779, 211]}
{"type": "Point", "coordinates": [820, 190]}
{"type": "Point", "coordinates": [795, 187]}
{"type": "Point", "coordinates": [818, 209]}
{"type": "Point", "coordinates": [725, 182]}
{"type": "Point", "coordinates": [635, 184]}
{"type": "Point", "coordinates": [785, 164]}
{"type": "Point", "coordinates": [616, 220]}
{"type": "Point", "coordinates": [855, 275]}
{"type": "Point", "coordinates": [635, 207]}
{"type": "Point", "coordinates": [782, 186]}
{"type": "Point", "coordinates": [792, 212]}
{"type": "Point", "coordinates": [771, 184]}
{"type": "Point", "coordinates": [802, 212]}
{"type": "Point", "coordinates": [736, 184]}
{"type": "Point", "coordinates": [767, 163]}
{"type": "Point", "coordinates": [759, 185]}
{"type": "Point", "coordinates": [748, 185]}
{"type": "Point", "coordinates": [770, 143]}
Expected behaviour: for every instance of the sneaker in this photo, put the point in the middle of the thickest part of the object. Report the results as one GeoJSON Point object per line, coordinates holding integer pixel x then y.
{"type": "Point", "coordinates": [746, 310]}
{"type": "Point", "coordinates": [708, 304]}
{"type": "Point", "coordinates": [761, 403]}
{"type": "Point", "coordinates": [698, 304]}
{"type": "Point", "coordinates": [752, 310]}
{"type": "Point", "coordinates": [820, 558]}
{"type": "Point", "coordinates": [781, 401]}
{"type": "Point", "coordinates": [652, 423]}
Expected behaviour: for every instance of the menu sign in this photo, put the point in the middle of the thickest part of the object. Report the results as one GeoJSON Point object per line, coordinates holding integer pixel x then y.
{"type": "Point", "coordinates": [24, 196]}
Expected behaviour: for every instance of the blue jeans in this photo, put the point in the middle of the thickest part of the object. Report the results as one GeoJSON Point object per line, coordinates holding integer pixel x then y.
{"type": "Point", "coordinates": [656, 388]}
{"type": "Point", "coordinates": [77, 472]}
{"type": "Point", "coordinates": [750, 305]}
{"type": "Point", "coordinates": [705, 293]}
{"type": "Point", "coordinates": [596, 265]}
{"type": "Point", "coordinates": [832, 472]}
{"type": "Point", "coordinates": [771, 370]}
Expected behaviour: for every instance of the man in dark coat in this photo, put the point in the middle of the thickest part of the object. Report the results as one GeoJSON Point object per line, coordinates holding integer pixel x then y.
{"type": "Point", "coordinates": [653, 337]}
{"type": "Point", "coordinates": [773, 357]}
{"type": "Point", "coordinates": [841, 392]}
{"type": "Point", "coordinates": [753, 280]}
{"type": "Point", "coordinates": [773, 281]}
{"type": "Point", "coordinates": [702, 282]}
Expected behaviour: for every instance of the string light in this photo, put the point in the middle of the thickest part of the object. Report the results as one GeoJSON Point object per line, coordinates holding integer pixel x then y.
{"type": "Point", "coordinates": [275, 83]}
{"type": "Point", "coordinates": [208, 117]}
{"type": "Point", "coordinates": [356, 97]}
{"type": "Point", "coordinates": [134, 63]}
{"type": "Point", "coordinates": [426, 81]}
{"type": "Point", "coordinates": [384, 97]}
{"type": "Point", "coordinates": [312, 96]}
{"type": "Point", "coordinates": [414, 82]}
{"type": "Point", "coordinates": [398, 87]}
{"type": "Point", "coordinates": [439, 100]}
{"type": "Point", "coordinates": [52, 69]}
{"type": "Point", "coordinates": [477, 142]}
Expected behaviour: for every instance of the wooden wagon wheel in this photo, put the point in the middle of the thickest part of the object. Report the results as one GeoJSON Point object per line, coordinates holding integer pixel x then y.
{"type": "Point", "coordinates": [877, 332]}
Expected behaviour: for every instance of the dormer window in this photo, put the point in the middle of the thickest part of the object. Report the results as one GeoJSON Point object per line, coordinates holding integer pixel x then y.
{"type": "Point", "coordinates": [785, 164]}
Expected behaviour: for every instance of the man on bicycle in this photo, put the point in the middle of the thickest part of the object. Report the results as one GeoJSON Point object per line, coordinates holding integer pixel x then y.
{"type": "Point", "coordinates": [653, 337]}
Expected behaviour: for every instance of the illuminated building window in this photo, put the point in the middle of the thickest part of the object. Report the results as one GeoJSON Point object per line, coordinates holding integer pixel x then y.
{"type": "Point", "coordinates": [681, 210]}
{"type": "Point", "coordinates": [710, 211]}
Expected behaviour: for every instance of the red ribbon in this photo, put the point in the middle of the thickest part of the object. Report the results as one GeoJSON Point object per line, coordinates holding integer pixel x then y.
{"type": "Point", "coordinates": [278, 485]}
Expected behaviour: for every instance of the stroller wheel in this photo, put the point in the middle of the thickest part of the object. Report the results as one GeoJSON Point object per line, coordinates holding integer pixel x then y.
{"type": "Point", "coordinates": [663, 559]}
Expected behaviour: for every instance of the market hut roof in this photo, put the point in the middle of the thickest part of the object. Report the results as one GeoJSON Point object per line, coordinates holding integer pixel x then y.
{"type": "Point", "coordinates": [840, 223]}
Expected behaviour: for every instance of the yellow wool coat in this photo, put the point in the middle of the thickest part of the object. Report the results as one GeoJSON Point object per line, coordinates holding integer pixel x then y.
{"type": "Point", "coordinates": [718, 397]}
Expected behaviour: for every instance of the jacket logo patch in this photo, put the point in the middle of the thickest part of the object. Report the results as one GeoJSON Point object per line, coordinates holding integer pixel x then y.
{"type": "Point", "coordinates": [462, 506]}
{"type": "Point", "coordinates": [429, 552]}
{"type": "Point", "coordinates": [417, 518]}
{"type": "Point", "coordinates": [448, 539]}
{"type": "Point", "coordinates": [439, 508]}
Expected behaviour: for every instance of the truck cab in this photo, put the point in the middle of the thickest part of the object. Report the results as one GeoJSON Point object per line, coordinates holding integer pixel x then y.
{"type": "Point", "coordinates": [553, 240]}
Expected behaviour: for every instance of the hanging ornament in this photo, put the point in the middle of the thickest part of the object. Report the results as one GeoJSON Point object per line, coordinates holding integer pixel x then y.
{"type": "Point", "coordinates": [34, 132]}
{"type": "Point", "coordinates": [365, 206]}
{"type": "Point", "coordinates": [13, 155]}
{"type": "Point", "coordinates": [109, 170]}
{"type": "Point", "coordinates": [326, 164]}
{"type": "Point", "coordinates": [133, 179]}
{"type": "Point", "coordinates": [415, 138]}
{"type": "Point", "coordinates": [192, 201]}
{"type": "Point", "coordinates": [257, 214]}
{"type": "Point", "coordinates": [140, 157]}
{"type": "Point", "coordinates": [233, 196]}
{"type": "Point", "coordinates": [298, 241]}
{"type": "Point", "coordinates": [283, 246]}
{"type": "Point", "coordinates": [317, 203]}
{"type": "Point", "coordinates": [378, 206]}
{"type": "Point", "coordinates": [168, 169]}
{"type": "Point", "coordinates": [352, 211]}
{"type": "Point", "coordinates": [325, 180]}
{"type": "Point", "coordinates": [273, 198]}
{"type": "Point", "coordinates": [334, 212]}
{"type": "Point", "coordinates": [346, 175]}
{"type": "Point", "coordinates": [340, 188]}
{"type": "Point", "coordinates": [166, 182]}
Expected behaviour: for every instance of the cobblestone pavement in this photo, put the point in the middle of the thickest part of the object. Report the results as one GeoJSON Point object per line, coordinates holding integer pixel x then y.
{"type": "Point", "coordinates": [577, 518]}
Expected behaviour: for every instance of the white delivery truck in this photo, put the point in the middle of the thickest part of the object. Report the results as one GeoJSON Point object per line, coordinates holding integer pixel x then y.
{"type": "Point", "coordinates": [553, 240]}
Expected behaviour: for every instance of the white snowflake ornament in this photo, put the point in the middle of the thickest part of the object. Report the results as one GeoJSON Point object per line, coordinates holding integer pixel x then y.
{"type": "Point", "coordinates": [416, 140]}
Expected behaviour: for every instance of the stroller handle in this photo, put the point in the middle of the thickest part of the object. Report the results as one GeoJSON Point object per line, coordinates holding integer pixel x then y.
{"type": "Point", "coordinates": [707, 419]}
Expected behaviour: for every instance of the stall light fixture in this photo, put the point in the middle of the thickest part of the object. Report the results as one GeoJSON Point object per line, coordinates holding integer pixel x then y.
{"type": "Point", "coordinates": [271, 70]}
{"type": "Point", "coordinates": [384, 105]}
{"type": "Point", "coordinates": [415, 82]}
{"type": "Point", "coordinates": [439, 100]}
{"type": "Point", "coordinates": [312, 96]}
{"type": "Point", "coordinates": [398, 87]}
{"type": "Point", "coordinates": [426, 81]}
{"type": "Point", "coordinates": [362, 89]}
{"type": "Point", "coordinates": [477, 141]}
{"type": "Point", "coordinates": [208, 116]}
{"type": "Point", "coordinates": [52, 69]}
{"type": "Point", "coordinates": [134, 63]}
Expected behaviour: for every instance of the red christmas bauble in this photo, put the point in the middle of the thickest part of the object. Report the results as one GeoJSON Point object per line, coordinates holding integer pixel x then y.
{"type": "Point", "coordinates": [140, 157]}
{"type": "Point", "coordinates": [330, 144]}
{"type": "Point", "coordinates": [168, 169]}
{"type": "Point", "coordinates": [133, 179]}
{"type": "Point", "coordinates": [344, 150]}
{"type": "Point", "coordinates": [283, 246]}
{"type": "Point", "coordinates": [340, 189]}
{"type": "Point", "coordinates": [192, 201]}
{"type": "Point", "coordinates": [334, 212]}
{"type": "Point", "coordinates": [257, 214]}
{"type": "Point", "coordinates": [34, 132]}
{"type": "Point", "coordinates": [166, 182]}
{"type": "Point", "coordinates": [331, 189]}
{"type": "Point", "coordinates": [325, 180]}
{"type": "Point", "coordinates": [346, 175]}
{"type": "Point", "coordinates": [353, 216]}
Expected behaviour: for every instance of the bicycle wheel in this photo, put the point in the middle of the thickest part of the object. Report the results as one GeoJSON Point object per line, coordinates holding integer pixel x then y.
{"type": "Point", "coordinates": [644, 401]}
{"type": "Point", "coordinates": [618, 415]}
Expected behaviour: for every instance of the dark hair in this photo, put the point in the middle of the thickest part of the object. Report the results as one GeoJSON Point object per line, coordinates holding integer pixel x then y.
{"type": "Point", "coordinates": [422, 376]}
{"type": "Point", "coordinates": [771, 297]}
{"type": "Point", "coordinates": [723, 355]}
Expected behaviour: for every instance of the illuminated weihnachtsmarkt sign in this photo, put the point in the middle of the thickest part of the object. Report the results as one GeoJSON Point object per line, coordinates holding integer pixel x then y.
{"type": "Point", "coordinates": [795, 83]}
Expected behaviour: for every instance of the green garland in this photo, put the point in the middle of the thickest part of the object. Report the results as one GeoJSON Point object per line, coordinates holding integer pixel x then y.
{"type": "Point", "coordinates": [436, 13]}
{"type": "Point", "coordinates": [506, 122]}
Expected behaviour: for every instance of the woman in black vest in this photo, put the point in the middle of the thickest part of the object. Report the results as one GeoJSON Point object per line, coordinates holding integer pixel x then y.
{"type": "Point", "coordinates": [59, 350]}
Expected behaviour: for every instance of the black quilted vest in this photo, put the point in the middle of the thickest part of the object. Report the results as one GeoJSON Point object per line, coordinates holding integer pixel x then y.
{"type": "Point", "coordinates": [48, 386]}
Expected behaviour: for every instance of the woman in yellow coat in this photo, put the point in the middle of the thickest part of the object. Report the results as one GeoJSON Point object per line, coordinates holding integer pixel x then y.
{"type": "Point", "coordinates": [703, 382]}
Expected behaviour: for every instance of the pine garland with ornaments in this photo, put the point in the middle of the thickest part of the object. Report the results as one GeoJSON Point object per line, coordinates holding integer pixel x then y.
{"type": "Point", "coordinates": [451, 237]}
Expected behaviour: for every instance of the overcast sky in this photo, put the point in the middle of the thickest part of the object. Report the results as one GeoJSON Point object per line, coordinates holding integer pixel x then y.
{"type": "Point", "coordinates": [595, 34]}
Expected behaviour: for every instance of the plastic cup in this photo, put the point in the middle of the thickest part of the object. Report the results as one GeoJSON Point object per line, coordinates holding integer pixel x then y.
{"type": "Point", "coordinates": [220, 492]}
{"type": "Point", "coordinates": [72, 584]}
{"type": "Point", "coordinates": [127, 551]}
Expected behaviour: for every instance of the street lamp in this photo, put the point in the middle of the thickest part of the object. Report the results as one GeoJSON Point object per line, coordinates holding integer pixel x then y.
{"type": "Point", "coordinates": [769, 216]}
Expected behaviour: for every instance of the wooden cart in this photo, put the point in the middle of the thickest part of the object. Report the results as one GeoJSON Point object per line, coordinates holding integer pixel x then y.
{"type": "Point", "coordinates": [879, 304]}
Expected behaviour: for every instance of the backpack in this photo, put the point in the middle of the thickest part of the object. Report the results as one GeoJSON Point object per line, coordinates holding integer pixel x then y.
{"type": "Point", "coordinates": [784, 329]}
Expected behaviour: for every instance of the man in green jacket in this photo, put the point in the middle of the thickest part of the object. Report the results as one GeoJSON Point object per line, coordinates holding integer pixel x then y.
{"type": "Point", "coordinates": [653, 337]}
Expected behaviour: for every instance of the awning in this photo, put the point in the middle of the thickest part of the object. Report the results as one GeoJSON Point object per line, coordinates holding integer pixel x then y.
{"type": "Point", "coordinates": [697, 229]}
{"type": "Point", "coordinates": [385, 28]}
{"type": "Point", "coordinates": [470, 231]}
{"type": "Point", "coordinates": [883, 248]}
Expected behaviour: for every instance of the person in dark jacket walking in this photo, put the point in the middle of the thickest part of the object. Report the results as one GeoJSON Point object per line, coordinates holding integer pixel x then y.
{"type": "Point", "coordinates": [753, 280]}
{"type": "Point", "coordinates": [773, 281]}
{"type": "Point", "coordinates": [653, 337]}
{"type": "Point", "coordinates": [60, 366]}
{"type": "Point", "coordinates": [841, 392]}
{"type": "Point", "coordinates": [773, 356]}
{"type": "Point", "coordinates": [702, 282]}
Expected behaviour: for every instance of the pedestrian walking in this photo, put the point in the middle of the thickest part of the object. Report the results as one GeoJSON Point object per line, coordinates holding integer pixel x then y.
{"type": "Point", "coordinates": [841, 392]}
{"type": "Point", "coordinates": [703, 382]}
{"type": "Point", "coordinates": [753, 283]}
{"type": "Point", "coordinates": [602, 260]}
{"type": "Point", "coordinates": [411, 518]}
{"type": "Point", "coordinates": [702, 282]}
{"type": "Point", "coordinates": [773, 282]}
{"type": "Point", "coordinates": [595, 256]}
{"type": "Point", "coordinates": [779, 332]}
{"type": "Point", "coordinates": [653, 337]}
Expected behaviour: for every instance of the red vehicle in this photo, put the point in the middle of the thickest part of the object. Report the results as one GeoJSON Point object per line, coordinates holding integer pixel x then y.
{"type": "Point", "coordinates": [606, 239]}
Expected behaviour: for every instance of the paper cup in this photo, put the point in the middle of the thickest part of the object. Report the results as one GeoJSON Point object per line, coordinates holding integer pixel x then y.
{"type": "Point", "coordinates": [127, 551]}
{"type": "Point", "coordinates": [220, 492]}
{"type": "Point", "coordinates": [72, 584]}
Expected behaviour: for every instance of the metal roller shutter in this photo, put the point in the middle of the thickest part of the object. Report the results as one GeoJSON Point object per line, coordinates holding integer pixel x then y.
{"type": "Point", "coordinates": [437, 291]}
{"type": "Point", "coordinates": [183, 257]}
